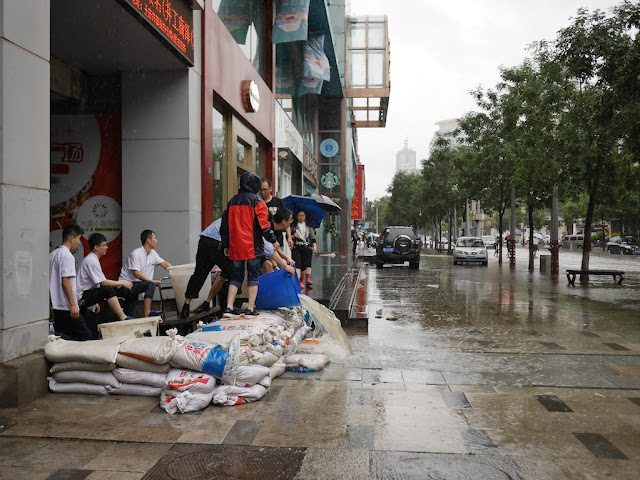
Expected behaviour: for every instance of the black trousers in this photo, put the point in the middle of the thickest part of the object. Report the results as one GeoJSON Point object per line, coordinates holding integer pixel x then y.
{"type": "Point", "coordinates": [74, 328]}
{"type": "Point", "coordinates": [210, 253]}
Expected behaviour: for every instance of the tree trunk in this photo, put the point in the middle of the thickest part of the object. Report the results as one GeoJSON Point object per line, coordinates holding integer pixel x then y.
{"type": "Point", "coordinates": [530, 208]}
{"type": "Point", "coordinates": [586, 246]}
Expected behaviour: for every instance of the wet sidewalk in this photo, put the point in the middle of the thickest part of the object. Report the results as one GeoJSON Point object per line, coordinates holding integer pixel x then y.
{"type": "Point", "coordinates": [469, 372]}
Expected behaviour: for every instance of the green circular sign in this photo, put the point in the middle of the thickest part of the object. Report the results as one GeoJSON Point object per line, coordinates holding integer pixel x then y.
{"type": "Point", "coordinates": [329, 179]}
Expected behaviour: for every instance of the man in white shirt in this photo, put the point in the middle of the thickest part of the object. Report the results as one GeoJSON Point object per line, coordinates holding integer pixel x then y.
{"type": "Point", "coordinates": [67, 320]}
{"type": "Point", "coordinates": [93, 287]}
{"type": "Point", "coordinates": [138, 269]}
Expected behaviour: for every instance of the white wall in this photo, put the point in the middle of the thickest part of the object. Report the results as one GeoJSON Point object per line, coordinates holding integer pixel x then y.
{"type": "Point", "coordinates": [161, 154]}
{"type": "Point", "coordinates": [24, 176]}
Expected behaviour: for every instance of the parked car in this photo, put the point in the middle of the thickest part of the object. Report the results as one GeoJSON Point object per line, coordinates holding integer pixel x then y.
{"type": "Point", "coordinates": [573, 241]}
{"type": "Point", "coordinates": [623, 245]}
{"type": "Point", "coordinates": [470, 250]}
{"type": "Point", "coordinates": [398, 244]}
{"type": "Point", "coordinates": [489, 241]}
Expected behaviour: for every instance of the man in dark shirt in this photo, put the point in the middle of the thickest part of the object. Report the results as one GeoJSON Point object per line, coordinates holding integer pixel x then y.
{"type": "Point", "coordinates": [274, 204]}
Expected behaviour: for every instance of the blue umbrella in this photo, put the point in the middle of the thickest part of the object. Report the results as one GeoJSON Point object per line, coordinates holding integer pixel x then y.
{"type": "Point", "coordinates": [315, 212]}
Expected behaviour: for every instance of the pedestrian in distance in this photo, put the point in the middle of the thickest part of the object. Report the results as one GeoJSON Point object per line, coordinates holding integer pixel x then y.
{"type": "Point", "coordinates": [67, 319]}
{"type": "Point", "coordinates": [138, 269]}
{"type": "Point", "coordinates": [209, 254]}
{"type": "Point", "coordinates": [274, 204]}
{"type": "Point", "coordinates": [93, 288]}
{"type": "Point", "coordinates": [354, 240]}
{"type": "Point", "coordinates": [245, 223]}
{"type": "Point", "coordinates": [304, 246]}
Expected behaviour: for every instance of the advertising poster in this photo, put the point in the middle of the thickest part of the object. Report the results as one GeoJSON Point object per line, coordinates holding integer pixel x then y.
{"type": "Point", "coordinates": [292, 21]}
{"type": "Point", "coordinates": [356, 201]}
{"type": "Point", "coordinates": [86, 182]}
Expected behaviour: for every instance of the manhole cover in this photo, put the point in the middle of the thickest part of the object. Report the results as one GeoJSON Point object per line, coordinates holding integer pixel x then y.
{"type": "Point", "coordinates": [229, 462]}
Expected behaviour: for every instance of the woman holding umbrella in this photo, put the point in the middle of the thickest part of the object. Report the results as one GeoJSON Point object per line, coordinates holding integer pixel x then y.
{"type": "Point", "coordinates": [304, 246]}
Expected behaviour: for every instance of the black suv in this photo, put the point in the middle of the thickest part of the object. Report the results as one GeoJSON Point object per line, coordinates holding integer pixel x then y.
{"type": "Point", "coordinates": [398, 245]}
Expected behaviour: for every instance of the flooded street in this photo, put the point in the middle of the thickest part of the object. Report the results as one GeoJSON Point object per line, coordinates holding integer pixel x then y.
{"type": "Point", "coordinates": [542, 378]}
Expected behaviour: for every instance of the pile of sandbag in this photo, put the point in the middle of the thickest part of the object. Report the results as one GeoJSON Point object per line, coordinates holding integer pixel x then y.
{"type": "Point", "coordinates": [227, 362]}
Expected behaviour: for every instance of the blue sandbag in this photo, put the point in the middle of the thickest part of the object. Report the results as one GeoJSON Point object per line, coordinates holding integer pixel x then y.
{"type": "Point", "coordinates": [278, 289]}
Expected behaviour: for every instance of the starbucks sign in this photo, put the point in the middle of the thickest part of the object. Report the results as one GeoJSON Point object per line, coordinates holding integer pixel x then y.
{"type": "Point", "coordinates": [329, 179]}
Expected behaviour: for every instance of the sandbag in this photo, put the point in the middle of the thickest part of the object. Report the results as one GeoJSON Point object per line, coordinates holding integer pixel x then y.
{"type": "Point", "coordinates": [232, 395]}
{"type": "Point", "coordinates": [277, 369]}
{"type": "Point", "coordinates": [184, 402]}
{"type": "Point", "coordinates": [301, 362]}
{"type": "Point", "coordinates": [84, 388]}
{"type": "Point", "coordinates": [266, 359]}
{"type": "Point", "coordinates": [221, 361]}
{"type": "Point", "coordinates": [142, 365]}
{"type": "Point", "coordinates": [83, 376]}
{"type": "Point", "coordinates": [137, 377]}
{"type": "Point", "coordinates": [95, 351]}
{"type": "Point", "coordinates": [181, 380]}
{"type": "Point", "coordinates": [136, 390]}
{"type": "Point", "coordinates": [87, 366]}
{"type": "Point", "coordinates": [150, 349]}
{"type": "Point", "coordinates": [250, 375]}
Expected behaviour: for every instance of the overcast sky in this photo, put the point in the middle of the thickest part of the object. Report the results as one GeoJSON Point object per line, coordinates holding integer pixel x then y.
{"type": "Point", "coordinates": [439, 52]}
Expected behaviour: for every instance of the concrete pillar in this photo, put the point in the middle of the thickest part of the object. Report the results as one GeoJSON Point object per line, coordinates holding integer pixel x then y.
{"type": "Point", "coordinates": [24, 178]}
{"type": "Point", "coordinates": [161, 162]}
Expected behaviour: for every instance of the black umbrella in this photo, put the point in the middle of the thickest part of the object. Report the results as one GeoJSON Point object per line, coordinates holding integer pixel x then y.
{"type": "Point", "coordinates": [325, 202]}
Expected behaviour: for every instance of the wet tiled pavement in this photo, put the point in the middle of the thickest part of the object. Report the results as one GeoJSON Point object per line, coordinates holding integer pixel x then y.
{"type": "Point", "coordinates": [468, 382]}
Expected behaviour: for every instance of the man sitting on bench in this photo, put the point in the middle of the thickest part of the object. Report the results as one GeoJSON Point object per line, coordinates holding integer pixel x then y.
{"type": "Point", "coordinates": [91, 284]}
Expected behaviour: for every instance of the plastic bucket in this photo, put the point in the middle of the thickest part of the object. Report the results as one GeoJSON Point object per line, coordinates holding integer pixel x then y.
{"type": "Point", "coordinates": [278, 289]}
{"type": "Point", "coordinates": [138, 327]}
{"type": "Point", "coordinates": [180, 275]}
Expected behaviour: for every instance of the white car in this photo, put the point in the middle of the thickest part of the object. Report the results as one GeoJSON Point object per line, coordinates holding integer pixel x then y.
{"type": "Point", "coordinates": [470, 250]}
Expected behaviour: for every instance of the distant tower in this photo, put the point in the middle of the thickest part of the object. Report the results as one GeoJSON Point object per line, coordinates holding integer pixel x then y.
{"type": "Point", "coordinates": [406, 159]}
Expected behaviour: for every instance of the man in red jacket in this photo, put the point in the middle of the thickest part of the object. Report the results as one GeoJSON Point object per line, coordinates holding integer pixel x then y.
{"type": "Point", "coordinates": [244, 223]}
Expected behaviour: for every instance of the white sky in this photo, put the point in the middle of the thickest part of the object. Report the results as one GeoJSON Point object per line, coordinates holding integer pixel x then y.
{"type": "Point", "coordinates": [440, 50]}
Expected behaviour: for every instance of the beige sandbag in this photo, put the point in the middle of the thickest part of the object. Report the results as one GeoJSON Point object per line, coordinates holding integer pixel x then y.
{"type": "Point", "coordinates": [84, 376]}
{"type": "Point", "coordinates": [137, 377]}
{"type": "Point", "coordinates": [150, 349]}
{"type": "Point", "coordinates": [84, 388]}
{"type": "Point", "coordinates": [95, 351]}
{"type": "Point", "coordinates": [142, 365]}
{"type": "Point", "coordinates": [87, 366]}
{"type": "Point", "coordinates": [136, 390]}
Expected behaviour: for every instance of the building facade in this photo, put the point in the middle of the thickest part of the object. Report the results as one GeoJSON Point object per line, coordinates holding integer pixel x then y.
{"type": "Point", "coordinates": [406, 160]}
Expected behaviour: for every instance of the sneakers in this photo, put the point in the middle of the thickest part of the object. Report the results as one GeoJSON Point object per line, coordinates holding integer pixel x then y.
{"type": "Point", "coordinates": [204, 307]}
{"type": "Point", "coordinates": [185, 311]}
{"type": "Point", "coordinates": [309, 282]}
{"type": "Point", "coordinates": [155, 313]}
{"type": "Point", "coordinates": [250, 313]}
{"type": "Point", "coordinates": [228, 313]}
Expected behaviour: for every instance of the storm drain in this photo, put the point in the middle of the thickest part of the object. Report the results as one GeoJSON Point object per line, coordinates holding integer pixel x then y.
{"type": "Point", "coordinates": [229, 462]}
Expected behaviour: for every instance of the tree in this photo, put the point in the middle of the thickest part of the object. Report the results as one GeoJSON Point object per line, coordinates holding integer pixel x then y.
{"type": "Point", "coordinates": [405, 204]}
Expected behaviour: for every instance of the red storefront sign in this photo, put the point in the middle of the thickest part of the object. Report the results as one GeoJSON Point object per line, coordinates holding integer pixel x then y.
{"type": "Point", "coordinates": [356, 201]}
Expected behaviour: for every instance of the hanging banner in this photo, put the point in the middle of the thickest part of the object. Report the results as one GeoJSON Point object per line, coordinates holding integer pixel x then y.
{"type": "Point", "coordinates": [285, 79]}
{"type": "Point", "coordinates": [356, 201]}
{"type": "Point", "coordinates": [315, 63]}
{"type": "Point", "coordinates": [235, 16]}
{"type": "Point", "coordinates": [292, 21]}
{"type": "Point", "coordinates": [309, 85]}
{"type": "Point", "coordinates": [86, 183]}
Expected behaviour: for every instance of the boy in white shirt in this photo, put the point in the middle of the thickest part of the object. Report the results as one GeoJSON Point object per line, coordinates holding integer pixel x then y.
{"type": "Point", "coordinates": [93, 287]}
{"type": "Point", "coordinates": [62, 286]}
{"type": "Point", "coordinates": [138, 269]}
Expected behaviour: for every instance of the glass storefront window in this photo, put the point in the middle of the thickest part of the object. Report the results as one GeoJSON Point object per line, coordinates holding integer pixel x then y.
{"type": "Point", "coordinates": [244, 20]}
{"type": "Point", "coordinates": [240, 152]}
{"type": "Point", "coordinates": [219, 161]}
{"type": "Point", "coordinates": [376, 35]}
{"type": "Point", "coordinates": [357, 35]}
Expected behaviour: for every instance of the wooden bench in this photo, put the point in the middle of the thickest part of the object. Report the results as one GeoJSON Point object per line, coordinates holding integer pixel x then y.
{"type": "Point", "coordinates": [618, 275]}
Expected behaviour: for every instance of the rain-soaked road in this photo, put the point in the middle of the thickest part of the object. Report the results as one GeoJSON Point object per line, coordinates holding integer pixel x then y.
{"type": "Point", "coordinates": [534, 379]}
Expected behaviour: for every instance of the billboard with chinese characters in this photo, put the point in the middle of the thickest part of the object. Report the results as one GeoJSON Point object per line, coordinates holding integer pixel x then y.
{"type": "Point", "coordinates": [356, 201]}
{"type": "Point", "coordinates": [86, 182]}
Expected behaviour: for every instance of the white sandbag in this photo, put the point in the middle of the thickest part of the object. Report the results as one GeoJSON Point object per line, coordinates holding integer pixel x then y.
{"type": "Point", "coordinates": [221, 361]}
{"type": "Point", "coordinates": [84, 388]}
{"type": "Point", "coordinates": [223, 337]}
{"type": "Point", "coordinates": [96, 351]}
{"type": "Point", "coordinates": [137, 377]}
{"type": "Point", "coordinates": [254, 326]}
{"type": "Point", "coordinates": [180, 380]}
{"type": "Point", "coordinates": [150, 349]}
{"type": "Point", "coordinates": [87, 366]}
{"type": "Point", "coordinates": [277, 369]}
{"type": "Point", "coordinates": [250, 375]}
{"type": "Point", "coordinates": [184, 402]}
{"type": "Point", "coordinates": [136, 390]}
{"type": "Point", "coordinates": [83, 376]}
{"type": "Point", "coordinates": [266, 359]}
{"type": "Point", "coordinates": [301, 362]}
{"type": "Point", "coordinates": [142, 365]}
{"type": "Point", "coordinates": [232, 395]}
